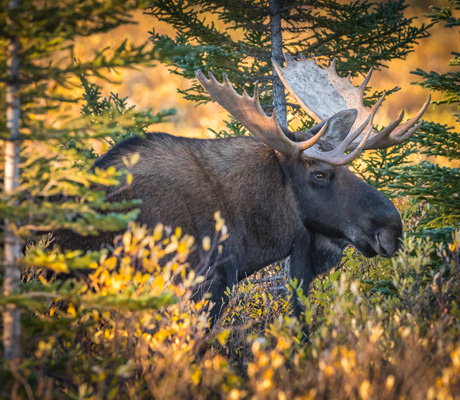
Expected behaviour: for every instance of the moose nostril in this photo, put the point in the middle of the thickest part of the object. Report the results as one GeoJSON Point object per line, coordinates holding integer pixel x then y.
{"type": "Point", "coordinates": [388, 242]}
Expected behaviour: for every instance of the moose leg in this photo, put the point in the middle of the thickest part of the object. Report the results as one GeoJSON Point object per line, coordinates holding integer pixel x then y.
{"type": "Point", "coordinates": [301, 269]}
{"type": "Point", "coordinates": [222, 277]}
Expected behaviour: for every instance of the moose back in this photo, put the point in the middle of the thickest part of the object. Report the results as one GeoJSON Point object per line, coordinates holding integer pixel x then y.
{"type": "Point", "coordinates": [280, 193]}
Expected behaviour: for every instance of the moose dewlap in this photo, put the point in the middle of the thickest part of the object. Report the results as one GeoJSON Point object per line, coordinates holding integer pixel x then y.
{"type": "Point", "coordinates": [281, 193]}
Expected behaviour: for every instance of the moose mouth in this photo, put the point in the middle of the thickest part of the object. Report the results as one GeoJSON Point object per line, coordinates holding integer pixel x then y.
{"type": "Point", "coordinates": [383, 243]}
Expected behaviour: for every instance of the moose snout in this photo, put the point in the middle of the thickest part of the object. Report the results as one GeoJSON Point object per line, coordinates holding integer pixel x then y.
{"type": "Point", "coordinates": [388, 241]}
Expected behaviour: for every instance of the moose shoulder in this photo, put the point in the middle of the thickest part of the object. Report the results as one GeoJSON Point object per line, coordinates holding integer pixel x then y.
{"type": "Point", "coordinates": [281, 193]}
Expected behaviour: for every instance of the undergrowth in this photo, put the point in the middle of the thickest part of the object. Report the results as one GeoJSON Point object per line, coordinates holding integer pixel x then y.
{"type": "Point", "coordinates": [375, 328]}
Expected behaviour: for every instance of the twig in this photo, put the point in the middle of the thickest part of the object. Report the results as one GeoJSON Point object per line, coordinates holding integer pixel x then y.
{"type": "Point", "coordinates": [19, 378]}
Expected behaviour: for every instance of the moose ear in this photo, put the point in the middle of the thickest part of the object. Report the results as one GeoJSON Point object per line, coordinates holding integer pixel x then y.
{"type": "Point", "coordinates": [339, 126]}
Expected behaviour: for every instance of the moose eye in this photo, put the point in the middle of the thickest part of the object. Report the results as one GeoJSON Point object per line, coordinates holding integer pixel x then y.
{"type": "Point", "coordinates": [320, 176]}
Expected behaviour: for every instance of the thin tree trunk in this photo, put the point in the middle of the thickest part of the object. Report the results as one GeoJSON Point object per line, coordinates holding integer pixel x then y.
{"type": "Point", "coordinates": [279, 97]}
{"type": "Point", "coordinates": [11, 315]}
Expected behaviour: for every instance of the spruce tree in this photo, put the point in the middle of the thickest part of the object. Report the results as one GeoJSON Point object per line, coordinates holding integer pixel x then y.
{"type": "Point", "coordinates": [436, 188]}
{"type": "Point", "coordinates": [47, 163]}
{"type": "Point", "coordinates": [359, 35]}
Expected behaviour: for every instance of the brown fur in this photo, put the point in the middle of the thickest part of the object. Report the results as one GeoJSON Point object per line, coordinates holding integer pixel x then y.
{"type": "Point", "coordinates": [273, 205]}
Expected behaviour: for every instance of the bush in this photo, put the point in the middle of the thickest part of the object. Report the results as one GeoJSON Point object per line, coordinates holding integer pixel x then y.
{"type": "Point", "coordinates": [376, 329]}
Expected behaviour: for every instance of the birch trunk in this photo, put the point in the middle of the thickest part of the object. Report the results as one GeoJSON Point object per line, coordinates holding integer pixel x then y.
{"type": "Point", "coordinates": [279, 97]}
{"type": "Point", "coordinates": [11, 315]}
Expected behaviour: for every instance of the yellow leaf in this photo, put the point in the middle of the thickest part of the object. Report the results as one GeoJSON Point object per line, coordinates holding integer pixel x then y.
{"type": "Point", "coordinates": [129, 179]}
{"type": "Point", "coordinates": [196, 376]}
{"type": "Point", "coordinates": [235, 394]}
{"type": "Point", "coordinates": [71, 310]}
{"type": "Point", "coordinates": [390, 382]}
{"type": "Point", "coordinates": [182, 247]}
{"type": "Point", "coordinates": [158, 283]}
{"type": "Point", "coordinates": [134, 158]}
{"type": "Point", "coordinates": [158, 232]}
{"type": "Point", "coordinates": [222, 337]}
{"type": "Point", "coordinates": [206, 243]}
{"type": "Point", "coordinates": [127, 239]}
{"type": "Point", "coordinates": [111, 263]}
{"type": "Point", "coordinates": [364, 389]}
{"type": "Point", "coordinates": [220, 222]}
{"type": "Point", "coordinates": [170, 248]}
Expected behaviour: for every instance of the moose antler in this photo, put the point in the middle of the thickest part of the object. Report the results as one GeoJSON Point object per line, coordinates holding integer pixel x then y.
{"type": "Point", "coordinates": [322, 93]}
{"type": "Point", "coordinates": [249, 113]}
{"type": "Point", "coordinates": [394, 134]}
{"type": "Point", "coordinates": [338, 156]}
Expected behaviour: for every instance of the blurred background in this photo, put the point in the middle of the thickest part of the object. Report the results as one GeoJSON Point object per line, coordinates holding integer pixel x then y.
{"type": "Point", "coordinates": [156, 87]}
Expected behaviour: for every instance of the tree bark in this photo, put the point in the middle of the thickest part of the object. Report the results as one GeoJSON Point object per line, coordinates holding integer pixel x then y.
{"type": "Point", "coordinates": [11, 315]}
{"type": "Point", "coordinates": [279, 97]}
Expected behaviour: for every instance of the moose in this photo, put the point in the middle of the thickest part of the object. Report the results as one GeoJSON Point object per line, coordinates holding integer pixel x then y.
{"type": "Point", "coordinates": [281, 193]}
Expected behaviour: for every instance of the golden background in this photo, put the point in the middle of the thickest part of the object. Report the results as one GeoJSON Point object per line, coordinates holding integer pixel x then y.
{"type": "Point", "coordinates": [156, 87]}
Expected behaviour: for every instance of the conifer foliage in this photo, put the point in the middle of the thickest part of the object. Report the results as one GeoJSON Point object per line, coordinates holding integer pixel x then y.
{"type": "Point", "coordinates": [47, 168]}
{"type": "Point", "coordinates": [239, 38]}
{"type": "Point", "coordinates": [437, 189]}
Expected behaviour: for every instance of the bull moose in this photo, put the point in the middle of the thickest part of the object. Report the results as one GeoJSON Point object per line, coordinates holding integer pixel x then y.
{"type": "Point", "coordinates": [281, 193]}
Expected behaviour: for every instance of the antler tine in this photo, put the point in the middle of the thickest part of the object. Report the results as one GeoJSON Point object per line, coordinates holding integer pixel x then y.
{"type": "Point", "coordinates": [289, 59]}
{"type": "Point", "coordinates": [366, 81]}
{"type": "Point", "coordinates": [332, 65]}
{"type": "Point", "coordinates": [306, 144]}
{"type": "Point", "coordinates": [400, 132]}
{"type": "Point", "coordinates": [394, 134]}
{"type": "Point", "coordinates": [248, 111]}
{"type": "Point", "coordinates": [337, 156]}
{"type": "Point", "coordinates": [370, 119]}
{"type": "Point", "coordinates": [381, 135]}
{"type": "Point", "coordinates": [355, 153]}
{"type": "Point", "coordinates": [411, 132]}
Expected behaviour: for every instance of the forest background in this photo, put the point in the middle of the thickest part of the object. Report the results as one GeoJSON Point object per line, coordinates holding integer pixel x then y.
{"type": "Point", "coordinates": [157, 87]}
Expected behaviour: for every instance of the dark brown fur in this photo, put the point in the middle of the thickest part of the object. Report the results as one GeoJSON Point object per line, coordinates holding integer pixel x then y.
{"type": "Point", "coordinates": [273, 205]}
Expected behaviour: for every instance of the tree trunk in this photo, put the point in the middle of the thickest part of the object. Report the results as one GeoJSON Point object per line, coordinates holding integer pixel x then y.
{"type": "Point", "coordinates": [11, 315]}
{"type": "Point", "coordinates": [279, 97]}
